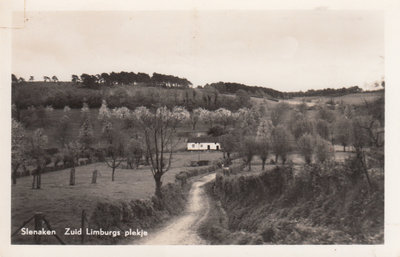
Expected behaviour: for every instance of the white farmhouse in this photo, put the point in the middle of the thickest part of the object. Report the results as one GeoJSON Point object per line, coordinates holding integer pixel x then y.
{"type": "Point", "coordinates": [203, 144]}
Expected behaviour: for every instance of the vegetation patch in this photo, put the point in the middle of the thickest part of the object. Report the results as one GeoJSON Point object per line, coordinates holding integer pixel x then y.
{"type": "Point", "coordinates": [319, 205]}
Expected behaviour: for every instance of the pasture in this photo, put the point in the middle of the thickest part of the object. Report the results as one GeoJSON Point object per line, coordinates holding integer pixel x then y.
{"type": "Point", "coordinates": [352, 99]}
{"type": "Point", "coordinates": [62, 204]}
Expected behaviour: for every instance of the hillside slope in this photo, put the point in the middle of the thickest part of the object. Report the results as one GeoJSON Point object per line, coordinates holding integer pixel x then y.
{"type": "Point", "coordinates": [313, 207]}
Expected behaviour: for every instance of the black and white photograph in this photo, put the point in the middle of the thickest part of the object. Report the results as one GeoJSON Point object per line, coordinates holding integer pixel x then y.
{"type": "Point", "coordinates": [198, 127]}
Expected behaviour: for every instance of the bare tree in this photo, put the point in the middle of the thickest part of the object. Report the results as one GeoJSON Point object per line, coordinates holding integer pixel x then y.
{"type": "Point", "coordinates": [159, 131]}
{"type": "Point", "coordinates": [114, 147]}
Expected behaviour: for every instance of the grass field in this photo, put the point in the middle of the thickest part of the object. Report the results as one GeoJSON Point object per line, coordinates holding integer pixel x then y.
{"type": "Point", "coordinates": [62, 204]}
{"type": "Point", "coordinates": [354, 99]}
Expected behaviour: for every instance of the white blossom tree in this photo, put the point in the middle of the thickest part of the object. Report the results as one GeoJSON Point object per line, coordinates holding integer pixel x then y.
{"type": "Point", "coordinates": [208, 117]}
{"type": "Point", "coordinates": [223, 116]}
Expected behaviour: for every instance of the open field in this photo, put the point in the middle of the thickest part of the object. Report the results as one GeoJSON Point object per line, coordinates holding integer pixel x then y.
{"type": "Point", "coordinates": [354, 99]}
{"type": "Point", "coordinates": [62, 204]}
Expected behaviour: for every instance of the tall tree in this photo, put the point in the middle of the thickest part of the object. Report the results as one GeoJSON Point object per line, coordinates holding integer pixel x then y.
{"type": "Point", "coordinates": [63, 131]}
{"type": "Point", "coordinates": [114, 143]}
{"type": "Point", "coordinates": [159, 131]}
{"type": "Point", "coordinates": [14, 78]}
{"type": "Point", "coordinates": [195, 116]}
{"type": "Point", "coordinates": [278, 113]}
{"type": "Point", "coordinates": [281, 140]}
{"type": "Point", "coordinates": [247, 150]}
{"type": "Point", "coordinates": [223, 117]}
{"type": "Point", "coordinates": [86, 133]}
{"type": "Point", "coordinates": [323, 150]}
{"type": "Point", "coordinates": [229, 144]}
{"type": "Point", "coordinates": [263, 140]}
{"type": "Point", "coordinates": [18, 145]}
{"type": "Point", "coordinates": [75, 78]}
{"type": "Point", "coordinates": [343, 132]}
{"type": "Point", "coordinates": [306, 145]}
{"type": "Point", "coordinates": [134, 153]}
{"type": "Point", "coordinates": [35, 150]}
{"type": "Point", "coordinates": [322, 128]}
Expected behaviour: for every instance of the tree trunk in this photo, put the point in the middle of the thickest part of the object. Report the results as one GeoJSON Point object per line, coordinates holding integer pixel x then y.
{"type": "Point", "coordinates": [39, 178]}
{"type": "Point", "coordinates": [33, 181]}
{"type": "Point", "coordinates": [360, 156]}
{"type": "Point", "coordinates": [38, 181]}
{"type": "Point", "coordinates": [113, 172]}
{"type": "Point", "coordinates": [263, 163]}
{"type": "Point", "coordinates": [94, 177]}
{"type": "Point", "coordinates": [249, 165]}
{"type": "Point", "coordinates": [14, 177]}
{"type": "Point", "coordinates": [157, 178]}
{"type": "Point", "coordinates": [72, 177]}
{"type": "Point", "coordinates": [276, 158]}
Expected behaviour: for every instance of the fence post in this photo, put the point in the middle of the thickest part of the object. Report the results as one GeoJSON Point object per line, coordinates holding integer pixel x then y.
{"type": "Point", "coordinates": [38, 225]}
{"type": "Point", "coordinates": [83, 217]}
{"type": "Point", "coordinates": [72, 177]}
{"type": "Point", "coordinates": [94, 177]}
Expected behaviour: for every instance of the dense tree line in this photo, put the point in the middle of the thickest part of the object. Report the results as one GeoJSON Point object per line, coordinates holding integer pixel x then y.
{"type": "Point", "coordinates": [326, 92]}
{"type": "Point", "coordinates": [233, 88]}
{"type": "Point", "coordinates": [130, 78]}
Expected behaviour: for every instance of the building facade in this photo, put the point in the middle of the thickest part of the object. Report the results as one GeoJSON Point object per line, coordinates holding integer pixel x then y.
{"type": "Point", "coordinates": [203, 144]}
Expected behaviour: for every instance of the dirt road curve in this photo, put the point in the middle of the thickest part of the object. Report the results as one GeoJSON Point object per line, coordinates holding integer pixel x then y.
{"type": "Point", "coordinates": [182, 230]}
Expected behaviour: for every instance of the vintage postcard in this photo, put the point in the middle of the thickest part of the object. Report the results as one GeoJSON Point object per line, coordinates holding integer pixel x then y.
{"type": "Point", "coordinates": [200, 127]}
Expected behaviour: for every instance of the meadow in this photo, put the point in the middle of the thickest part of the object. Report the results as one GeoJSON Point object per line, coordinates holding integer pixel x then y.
{"type": "Point", "coordinates": [62, 204]}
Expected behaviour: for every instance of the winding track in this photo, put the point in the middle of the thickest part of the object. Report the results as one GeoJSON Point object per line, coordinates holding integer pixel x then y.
{"type": "Point", "coordinates": [182, 230]}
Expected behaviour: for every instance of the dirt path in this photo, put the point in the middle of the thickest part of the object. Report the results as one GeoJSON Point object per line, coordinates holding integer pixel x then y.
{"type": "Point", "coordinates": [182, 230]}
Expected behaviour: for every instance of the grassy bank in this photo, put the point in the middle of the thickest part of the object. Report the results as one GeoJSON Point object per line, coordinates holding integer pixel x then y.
{"type": "Point", "coordinates": [319, 205]}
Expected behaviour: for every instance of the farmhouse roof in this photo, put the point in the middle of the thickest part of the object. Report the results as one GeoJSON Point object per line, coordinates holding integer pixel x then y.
{"type": "Point", "coordinates": [203, 140]}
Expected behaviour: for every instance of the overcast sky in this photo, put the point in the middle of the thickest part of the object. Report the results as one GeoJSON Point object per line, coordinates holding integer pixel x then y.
{"type": "Point", "coordinates": [284, 50]}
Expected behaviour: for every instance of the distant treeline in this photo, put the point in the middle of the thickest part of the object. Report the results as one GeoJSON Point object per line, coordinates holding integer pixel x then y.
{"type": "Point", "coordinates": [168, 81]}
{"type": "Point", "coordinates": [126, 78]}
{"type": "Point", "coordinates": [118, 78]}
{"type": "Point", "coordinates": [233, 88]}
{"type": "Point", "coordinates": [326, 92]}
